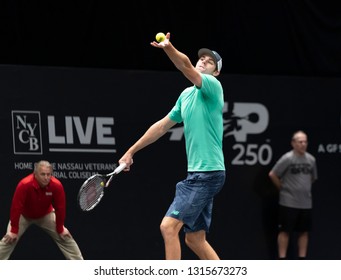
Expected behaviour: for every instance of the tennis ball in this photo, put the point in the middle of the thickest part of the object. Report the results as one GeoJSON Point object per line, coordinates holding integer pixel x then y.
{"type": "Point", "coordinates": [160, 37]}
{"type": "Point", "coordinates": [102, 184]}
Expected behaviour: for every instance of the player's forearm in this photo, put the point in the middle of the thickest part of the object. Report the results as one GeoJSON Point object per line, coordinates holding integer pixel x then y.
{"type": "Point", "coordinates": [180, 60]}
{"type": "Point", "coordinates": [150, 136]}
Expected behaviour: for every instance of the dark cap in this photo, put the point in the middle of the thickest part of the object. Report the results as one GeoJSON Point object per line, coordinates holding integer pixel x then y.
{"type": "Point", "coordinates": [216, 57]}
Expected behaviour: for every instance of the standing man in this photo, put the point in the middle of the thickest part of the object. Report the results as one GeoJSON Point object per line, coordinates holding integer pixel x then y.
{"type": "Point", "coordinates": [39, 199]}
{"type": "Point", "coordinates": [200, 108]}
{"type": "Point", "coordinates": [293, 175]}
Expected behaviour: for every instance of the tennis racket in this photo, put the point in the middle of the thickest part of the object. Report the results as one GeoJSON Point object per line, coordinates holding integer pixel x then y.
{"type": "Point", "coordinates": [92, 190]}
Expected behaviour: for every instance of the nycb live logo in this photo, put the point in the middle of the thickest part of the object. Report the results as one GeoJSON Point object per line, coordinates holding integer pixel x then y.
{"type": "Point", "coordinates": [92, 135]}
{"type": "Point", "coordinates": [26, 127]}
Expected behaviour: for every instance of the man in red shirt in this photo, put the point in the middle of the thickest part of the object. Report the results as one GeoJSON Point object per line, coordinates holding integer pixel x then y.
{"type": "Point", "coordinates": [39, 199]}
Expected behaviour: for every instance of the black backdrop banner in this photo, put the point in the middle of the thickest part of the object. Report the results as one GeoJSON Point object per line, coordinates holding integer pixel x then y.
{"type": "Point", "coordinates": [283, 37]}
{"type": "Point", "coordinates": [83, 120]}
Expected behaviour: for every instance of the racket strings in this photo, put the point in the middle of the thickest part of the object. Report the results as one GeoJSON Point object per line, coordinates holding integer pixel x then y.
{"type": "Point", "coordinates": [91, 193]}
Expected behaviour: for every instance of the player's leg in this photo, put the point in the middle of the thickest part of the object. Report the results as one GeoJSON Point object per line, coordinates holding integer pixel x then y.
{"type": "Point", "coordinates": [68, 245]}
{"type": "Point", "coordinates": [197, 242]}
{"type": "Point", "coordinates": [172, 222]}
{"type": "Point", "coordinates": [195, 237]}
{"type": "Point", "coordinates": [170, 228]}
{"type": "Point", "coordinates": [198, 219]}
{"type": "Point", "coordinates": [192, 196]}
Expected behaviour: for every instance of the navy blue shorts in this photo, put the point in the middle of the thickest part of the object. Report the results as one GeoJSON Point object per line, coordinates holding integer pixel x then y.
{"type": "Point", "coordinates": [193, 201]}
{"type": "Point", "coordinates": [294, 219]}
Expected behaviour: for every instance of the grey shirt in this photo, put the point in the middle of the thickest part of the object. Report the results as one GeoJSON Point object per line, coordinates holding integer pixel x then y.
{"type": "Point", "coordinates": [297, 173]}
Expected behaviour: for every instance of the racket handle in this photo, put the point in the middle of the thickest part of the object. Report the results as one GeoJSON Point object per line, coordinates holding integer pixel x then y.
{"type": "Point", "coordinates": [120, 168]}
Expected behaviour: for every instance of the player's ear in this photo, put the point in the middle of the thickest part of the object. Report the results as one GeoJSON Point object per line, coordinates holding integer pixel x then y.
{"type": "Point", "coordinates": [216, 73]}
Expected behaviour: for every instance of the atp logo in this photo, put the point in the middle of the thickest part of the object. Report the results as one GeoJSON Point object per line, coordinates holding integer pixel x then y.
{"type": "Point", "coordinates": [240, 120]}
{"type": "Point", "coordinates": [26, 129]}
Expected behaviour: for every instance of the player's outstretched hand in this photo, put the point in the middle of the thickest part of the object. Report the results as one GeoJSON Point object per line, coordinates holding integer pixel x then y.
{"type": "Point", "coordinates": [162, 44]}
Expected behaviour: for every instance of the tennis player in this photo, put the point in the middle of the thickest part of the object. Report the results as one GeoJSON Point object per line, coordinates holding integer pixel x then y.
{"type": "Point", "coordinates": [200, 108]}
{"type": "Point", "coordinates": [39, 199]}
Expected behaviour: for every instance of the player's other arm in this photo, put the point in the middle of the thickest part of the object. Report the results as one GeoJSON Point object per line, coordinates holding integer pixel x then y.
{"type": "Point", "coordinates": [153, 133]}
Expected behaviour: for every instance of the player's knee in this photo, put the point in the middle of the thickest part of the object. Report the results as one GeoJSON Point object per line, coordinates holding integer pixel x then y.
{"type": "Point", "coordinates": [165, 229]}
{"type": "Point", "coordinates": [168, 229]}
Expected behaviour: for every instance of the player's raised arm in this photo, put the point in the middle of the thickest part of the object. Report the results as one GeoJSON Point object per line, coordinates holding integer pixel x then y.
{"type": "Point", "coordinates": [180, 60]}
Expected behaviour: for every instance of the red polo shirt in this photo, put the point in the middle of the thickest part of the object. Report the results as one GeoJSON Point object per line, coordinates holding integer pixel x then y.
{"type": "Point", "coordinates": [34, 202]}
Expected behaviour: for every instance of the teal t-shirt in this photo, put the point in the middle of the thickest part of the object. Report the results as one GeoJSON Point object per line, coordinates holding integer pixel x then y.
{"type": "Point", "coordinates": [201, 111]}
